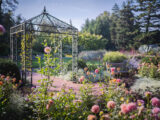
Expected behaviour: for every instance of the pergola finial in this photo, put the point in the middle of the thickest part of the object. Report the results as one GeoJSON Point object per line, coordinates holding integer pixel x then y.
{"type": "Point", "coordinates": [44, 10]}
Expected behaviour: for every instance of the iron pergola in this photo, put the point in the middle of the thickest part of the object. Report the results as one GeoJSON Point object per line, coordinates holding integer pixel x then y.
{"type": "Point", "coordinates": [22, 35]}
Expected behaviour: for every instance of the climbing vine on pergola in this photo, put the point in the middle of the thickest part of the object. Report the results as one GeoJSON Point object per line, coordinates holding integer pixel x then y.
{"type": "Point", "coordinates": [23, 34]}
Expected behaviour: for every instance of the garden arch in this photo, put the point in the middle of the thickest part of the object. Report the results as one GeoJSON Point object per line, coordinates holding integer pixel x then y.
{"type": "Point", "coordinates": [22, 35]}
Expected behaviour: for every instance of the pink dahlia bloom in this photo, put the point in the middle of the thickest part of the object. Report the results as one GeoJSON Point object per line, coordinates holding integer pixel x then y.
{"type": "Point", "coordinates": [148, 94]}
{"type": "Point", "coordinates": [2, 30]}
{"type": "Point", "coordinates": [156, 110]}
{"type": "Point", "coordinates": [118, 80]}
{"type": "Point", "coordinates": [47, 50]}
{"type": "Point", "coordinates": [112, 69]}
{"type": "Point", "coordinates": [131, 106]}
{"type": "Point", "coordinates": [124, 109]}
{"type": "Point", "coordinates": [155, 101]}
{"type": "Point", "coordinates": [96, 71]}
{"type": "Point", "coordinates": [81, 79]}
{"type": "Point", "coordinates": [91, 117]}
{"type": "Point", "coordinates": [95, 109]}
{"type": "Point", "coordinates": [111, 104]}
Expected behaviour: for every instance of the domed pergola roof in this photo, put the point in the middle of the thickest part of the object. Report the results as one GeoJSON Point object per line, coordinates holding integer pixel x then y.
{"type": "Point", "coordinates": [45, 22]}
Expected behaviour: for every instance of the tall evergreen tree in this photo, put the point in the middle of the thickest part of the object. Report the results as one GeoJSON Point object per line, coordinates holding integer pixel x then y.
{"type": "Point", "coordinates": [125, 26]}
{"type": "Point", "coordinates": [149, 14]}
{"type": "Point", "coordinates": [148, 17]}
{"type": "Point", "coordinates": [113, 24]}
{"type": "Point", "coordinates": [7, 8]}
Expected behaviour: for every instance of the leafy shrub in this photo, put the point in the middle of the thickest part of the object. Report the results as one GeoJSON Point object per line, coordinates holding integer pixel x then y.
{"type": "Point", "coordinates": [92, 67]}
{"type": "Point", "coordinates": [81, 64]}
{"type": "Point", "coordinates": [11, 101]}
{"type": "Point", "coordinates": [155, 60]}
{"type": "Point", "coordinates": [114, 57]}
{"type": "Point", "coordinates": [149, 70]}
{"type": "Point", "coordinates": [9, 68]}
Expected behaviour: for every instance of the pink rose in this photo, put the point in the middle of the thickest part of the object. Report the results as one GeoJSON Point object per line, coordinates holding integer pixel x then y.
{"type": "Point", "coordinates": [111, 104]}
{"type": "Point", "coordinates": [95, 109]}
{"type": "Point", "coordinates": [96, 71]}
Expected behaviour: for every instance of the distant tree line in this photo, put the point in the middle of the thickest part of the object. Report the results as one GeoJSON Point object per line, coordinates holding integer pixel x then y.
{"type": "Point", "coordinates": [137, 22]}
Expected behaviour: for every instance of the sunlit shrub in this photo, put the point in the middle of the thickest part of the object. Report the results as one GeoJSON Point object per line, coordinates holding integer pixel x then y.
{"type": "Point", "coordinates": [114, 57]}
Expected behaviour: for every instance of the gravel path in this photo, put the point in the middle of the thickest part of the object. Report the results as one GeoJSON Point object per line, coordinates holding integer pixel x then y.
{"type": "Point", "coordinates": [59, 84]}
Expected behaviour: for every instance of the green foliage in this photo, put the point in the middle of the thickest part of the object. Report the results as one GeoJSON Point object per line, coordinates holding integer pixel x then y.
{"type": "Point", "coordinates": [12, 106]}
{"type": "Point", "coordinates": [149, 70]}
{"type": "Point", "coordinates": [9, 68]}
{"type": "Point", "coordinates": [114, 57]}
{"type": "Point", "coordinates": [8, 20]}
{"type": "Point", "coordinates": [150, 67]}
{"type": "Point", "coordinates": [91, 67]}
{"type": "Point", "coordinates": [154, 60]}
{"type": "Point", "coordinates": [81, 64]}
{"type": "Point", "coordinates": [89, 41]}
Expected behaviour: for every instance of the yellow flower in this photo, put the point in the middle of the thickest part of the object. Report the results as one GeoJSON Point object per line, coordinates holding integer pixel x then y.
{"type": "Point", "coordinates": [127, 101]}
{"type": "Point", "coordinates": [58, 94]}
{"type": "Point", "coordinates": [101, 113]}
{"type": "Point", "coordinates": [122, 98]}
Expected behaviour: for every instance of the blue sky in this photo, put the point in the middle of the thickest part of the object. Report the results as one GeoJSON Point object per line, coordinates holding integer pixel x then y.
{"type": "Point", "coordinates": [76, 10]}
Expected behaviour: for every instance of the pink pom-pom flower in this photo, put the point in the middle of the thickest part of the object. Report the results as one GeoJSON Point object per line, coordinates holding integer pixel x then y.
{"type": "Point", "coordinates": [47, 50]}
{"type": "Point", "coordinates": [155, 101]}
{"type": "Point", "coordinates": [131, 106]}
{"type": "Point", "coordinates": [124, 109]}
{"type": "Point", "coordinates": [95, 109]}
{"type": "Point", "coordinates": [156, 110]}
{"type": "Point", "coordinates": [96, 71]}
{"type": "Point", "coordinates": [111, 104]}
